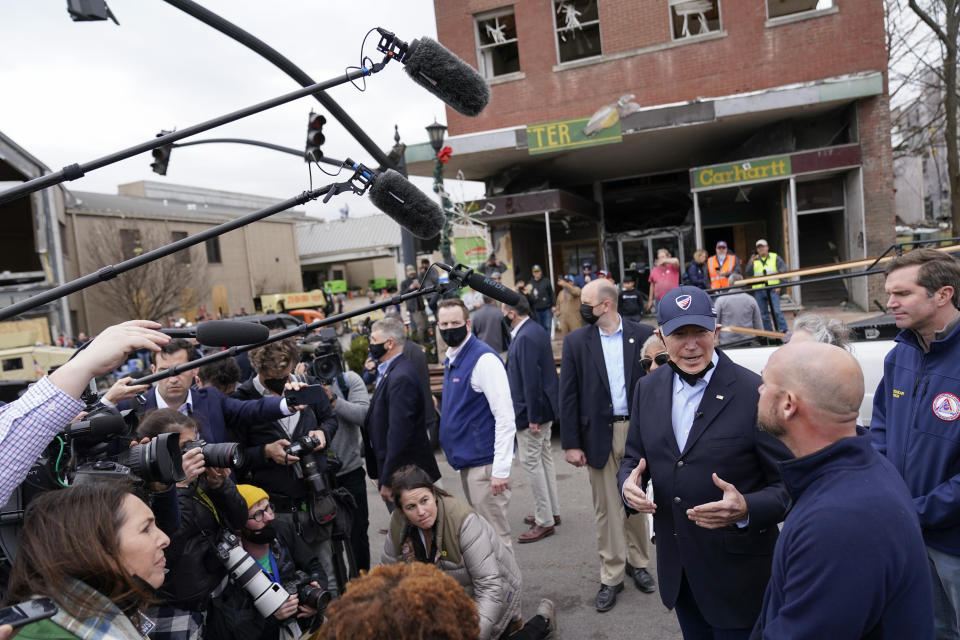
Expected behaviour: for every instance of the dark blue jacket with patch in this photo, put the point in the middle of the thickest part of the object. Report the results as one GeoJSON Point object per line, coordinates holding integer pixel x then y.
{"type": "Point", "coordinates": [916, 425]}
{"type": "Point", "coordinates": [850, 561]}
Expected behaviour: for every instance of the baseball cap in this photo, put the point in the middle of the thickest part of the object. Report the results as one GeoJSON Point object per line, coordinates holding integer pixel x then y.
{"type": "Point", "coordinates": [685, 305]}
{"type": "Point", "coordinates": [586, 264]}
{"type": "Point", "coordinates": [722, 243]}
{"type": "Point", "coordinates": [411, 268]}
{"type": "Point", "coordinates": [536, 267]}
{"type": "Point", "coordinates": [761, 242]}
{"type": "Point", "coordinates": [495, 275]}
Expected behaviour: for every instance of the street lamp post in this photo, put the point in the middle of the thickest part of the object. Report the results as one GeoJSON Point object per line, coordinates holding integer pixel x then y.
{"type": "Point", "coordinates": [436, 133]}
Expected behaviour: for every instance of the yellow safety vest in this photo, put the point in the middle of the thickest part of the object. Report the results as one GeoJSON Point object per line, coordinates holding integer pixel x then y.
{"type": "Point", "coordinates": [761, 268]}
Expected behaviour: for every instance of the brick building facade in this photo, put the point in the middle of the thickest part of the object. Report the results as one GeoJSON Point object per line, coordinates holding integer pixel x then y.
{"type": "Point", "coordinates": [703, 85]}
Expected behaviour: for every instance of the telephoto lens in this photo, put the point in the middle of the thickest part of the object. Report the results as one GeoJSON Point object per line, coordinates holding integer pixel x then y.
{"type": "Point", "coordinates": [159, 460]}
{"type": "Point", "coordinates": [223, 455]}
{"type": "Point", "coordinates": [268, 596]}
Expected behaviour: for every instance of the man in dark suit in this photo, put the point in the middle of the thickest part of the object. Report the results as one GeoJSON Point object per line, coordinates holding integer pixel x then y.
{"type": "Point", "coordinates": [213, 411]}
{"type": "Point", "coordinates": [533, 380]}
{"type": "Point", "coordinates": [599, 370]}
{"type": "Point", "coordinates": [395, 430]}
{"type": "Point", "coordinates": [719, 495]}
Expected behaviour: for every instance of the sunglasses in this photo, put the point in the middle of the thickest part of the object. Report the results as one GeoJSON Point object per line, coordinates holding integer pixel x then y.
{"type": "Point", "coordinates": [661, 359]}
{"type": "Point", "coordinates": [258, 515]}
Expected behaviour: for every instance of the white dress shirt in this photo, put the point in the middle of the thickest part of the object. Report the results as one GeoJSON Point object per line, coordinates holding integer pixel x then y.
{"type": "Point", "coordinates": [489, 377]}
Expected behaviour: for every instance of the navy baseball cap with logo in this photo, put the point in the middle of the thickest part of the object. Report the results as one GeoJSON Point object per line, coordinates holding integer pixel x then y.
{"type": "Point", "coordinates": [685, 305]}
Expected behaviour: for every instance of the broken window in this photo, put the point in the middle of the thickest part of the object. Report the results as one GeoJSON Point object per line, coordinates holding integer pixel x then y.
{"type": "Point", "coordinates": [578, 29]}
{"type": "Point", "coordinates": [691, 18]}
{"type": "Point", "coordinates": [497, 51]}
{"type": "Point", "coordinates": [777, 8]}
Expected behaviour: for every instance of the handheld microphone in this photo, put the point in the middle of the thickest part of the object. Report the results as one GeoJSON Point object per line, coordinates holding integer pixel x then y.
{"type": "Point", "coordinates": [222, 333]}
{"type": "Point", "coordinates": [490, 288]}
{"type": "Point", "coordinates": [439, 71]}
{"type": "Point", "coordinates": [411, 208]}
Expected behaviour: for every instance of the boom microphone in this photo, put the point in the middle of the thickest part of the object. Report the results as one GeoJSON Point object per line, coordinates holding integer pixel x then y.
{"type": "Point", "coordinates": [411, 208]}
{"type": "Point", "coordinates": [493, 289]}
{"type": "Point", "coordinates": [442, 73]}
{"type": "Point", "coordinates": [223, 333]}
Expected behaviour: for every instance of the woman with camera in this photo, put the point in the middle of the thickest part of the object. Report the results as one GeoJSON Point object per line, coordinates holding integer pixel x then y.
{"type": "Point", "coordinates": [208, 501]}
{"type": "Point", "coordinates": [432, 526]}
{"type": "Point", "coordinates": [96, 551]}
{"type": "Point", "coordinates": [285, 559]}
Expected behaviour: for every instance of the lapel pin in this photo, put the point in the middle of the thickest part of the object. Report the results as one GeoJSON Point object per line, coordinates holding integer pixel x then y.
{"type": "Point", "coordinates": [630, 341]}
{"type": "Point", "coordinates": [719, 397]}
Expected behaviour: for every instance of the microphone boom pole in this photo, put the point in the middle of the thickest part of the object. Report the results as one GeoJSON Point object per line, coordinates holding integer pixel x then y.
{"type": "Point", "coordinates": [74, 171]}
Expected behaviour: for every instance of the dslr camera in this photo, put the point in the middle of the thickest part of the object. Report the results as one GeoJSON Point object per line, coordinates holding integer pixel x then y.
{"type": "Point", "coordinates": [314, 597]}
{"type": "Point", "coordinates": [268, 596]}
{"type": "Point", "coordinates": [224, 455]}
{"type": "Point", "coordinates": [309, 468]}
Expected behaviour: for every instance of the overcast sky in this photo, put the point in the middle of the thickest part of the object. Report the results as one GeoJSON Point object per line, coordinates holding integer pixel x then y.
{"type": "Point", "coordinates": [76, 91]}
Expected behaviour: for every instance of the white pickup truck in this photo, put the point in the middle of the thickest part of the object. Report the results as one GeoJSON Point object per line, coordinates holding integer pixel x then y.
{"type": "Point", "coordinates": [869, 353]}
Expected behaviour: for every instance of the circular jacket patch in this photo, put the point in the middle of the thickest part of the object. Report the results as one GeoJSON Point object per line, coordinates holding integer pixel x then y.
{"type": "Point", "coordinates": [946, 406]}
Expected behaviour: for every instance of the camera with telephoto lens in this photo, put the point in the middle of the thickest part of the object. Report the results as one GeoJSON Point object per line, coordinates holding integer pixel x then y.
{"type": "Point", "coordinates": [223, 455]}
{"type": "Point", "coordinates": [268, 596]}
{"type": "Point", "coordinates": [309, 468]}
{"type": "Point", "coordinates": [324, 354]}
{"type": "Point", "coordinates": [314, 597]}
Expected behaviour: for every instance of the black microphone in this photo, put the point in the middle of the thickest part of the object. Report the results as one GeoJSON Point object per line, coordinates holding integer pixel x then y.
{"type": "Point", "coordinates": [493, 289]}
{"type": "Point", "coordinates": [99, 426]}
{"type": "Point", "coordinates": [442, 73]}
{"type": "Point", "coordinates": [411, 208]}
{"type": "Point", "coordinates": [490, 288]}
{"type": "Point", "coordinates": [222, 333]}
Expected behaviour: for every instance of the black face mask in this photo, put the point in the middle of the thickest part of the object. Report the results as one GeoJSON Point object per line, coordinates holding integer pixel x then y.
{"type": "Point", "coordinates": [263, 536]}
{"type": "Point", "coordinates": [275, 384]}
{"type": "Point", "coordinates": [377, 351]}
{"type": "Point", "coordinates": [454, 337]}
{"type": "Point", "coordinates": [586, 312]}
{"type": "Point", "coordinates": [507, 324]}
{"type": "Point", "coordinates": [689, 378]}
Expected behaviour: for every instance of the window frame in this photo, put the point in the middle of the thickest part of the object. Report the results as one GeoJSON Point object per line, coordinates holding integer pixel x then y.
{"type": "Point", "coordinates": [508, 10]}
{"type": "Point", "coordinates": [214, 254]}
{"type": "Point", "coordinates": [692, 37]}
{"type": "Point", "coordinates": [182, 256]}
{"type": "Point", "coordinates": [556, 34]}
{"type": "Point", "coordinates": [800, 15]}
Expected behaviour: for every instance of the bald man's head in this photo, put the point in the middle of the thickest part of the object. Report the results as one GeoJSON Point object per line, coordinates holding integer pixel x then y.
{"type": "Point", "coordinates": [814, 386]}
{"type": "Point", "coordinates": [601, 289]}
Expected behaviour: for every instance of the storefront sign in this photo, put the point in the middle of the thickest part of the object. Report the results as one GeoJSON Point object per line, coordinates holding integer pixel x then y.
{"type": "Point", "coordinates": [470, 251]}
{"type": "Point", "coordinates": [567, 134]}
{"type": "Point", "coordinates": [722, 175]}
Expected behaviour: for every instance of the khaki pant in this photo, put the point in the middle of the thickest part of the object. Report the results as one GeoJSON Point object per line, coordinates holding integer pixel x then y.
{"type": "Point", "coordinates": [536, 458]}
{"type": "Point", "coordinates": [619, 539]}
{"type": "Point", "coordinates": [476, 487]}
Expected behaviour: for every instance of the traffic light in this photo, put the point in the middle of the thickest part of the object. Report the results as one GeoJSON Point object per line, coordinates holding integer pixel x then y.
{"type": "Point", "coordinates": [161, 156]}
{"type": "Point", "coordinates": [315, 137]}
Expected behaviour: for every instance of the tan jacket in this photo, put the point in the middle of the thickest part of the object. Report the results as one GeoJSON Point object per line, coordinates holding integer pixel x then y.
{"type": "Point", "coordinates": [471, 552]}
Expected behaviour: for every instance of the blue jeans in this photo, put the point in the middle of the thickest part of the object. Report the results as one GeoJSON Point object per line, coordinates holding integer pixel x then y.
{"type": "Point", "coordinates": [545, 319]}
{"type": "Point", "coordinates": [945, 571]}
{"type": "Point", "coordinates": [774, 297]}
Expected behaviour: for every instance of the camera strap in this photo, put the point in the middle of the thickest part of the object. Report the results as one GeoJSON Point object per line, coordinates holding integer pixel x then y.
{"type": "Point", "coordinates": [202, 498]}
{"type": "Point", "coordinates": [342, 383]}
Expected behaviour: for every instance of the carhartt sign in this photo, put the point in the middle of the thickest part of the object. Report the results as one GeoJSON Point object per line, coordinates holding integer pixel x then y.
{"type": "Point", "coordinates": [740, 172]}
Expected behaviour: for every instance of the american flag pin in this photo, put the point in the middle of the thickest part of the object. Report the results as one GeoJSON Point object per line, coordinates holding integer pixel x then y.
{"type": "Point", "coordinates": [719, 397]}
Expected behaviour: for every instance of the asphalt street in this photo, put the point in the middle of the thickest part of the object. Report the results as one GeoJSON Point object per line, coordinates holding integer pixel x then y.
{"type": "Point", "coordinates": [564, 567]}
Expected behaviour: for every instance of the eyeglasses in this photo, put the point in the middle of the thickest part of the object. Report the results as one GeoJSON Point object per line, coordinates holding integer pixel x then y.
{"type": "Point", "coordinates": [258, 515]}
{"type": "Point", "coordinates": [661, 359]}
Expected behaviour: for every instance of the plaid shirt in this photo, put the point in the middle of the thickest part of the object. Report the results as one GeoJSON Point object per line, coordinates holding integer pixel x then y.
{"type": "Point", "coordinates": [110, 624]}
{"type": "Point", "coordinates": [27, 426]}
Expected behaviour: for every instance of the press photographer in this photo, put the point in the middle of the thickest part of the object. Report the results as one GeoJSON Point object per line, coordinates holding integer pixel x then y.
{"type": "Point", "coordinates": [209, 502]}
{"type": "Point", "coordinates": [286, 560]}
{"type": "Point", "coordinates": [297, 485]}
{"type": "Point", "coordinates": [350, 401]}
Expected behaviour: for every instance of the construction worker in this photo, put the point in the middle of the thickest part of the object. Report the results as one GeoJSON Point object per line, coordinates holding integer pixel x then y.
{"type": "Point", "coordinates": [721, 265]}
{"type": "Point", "coordinates": [764, 263]}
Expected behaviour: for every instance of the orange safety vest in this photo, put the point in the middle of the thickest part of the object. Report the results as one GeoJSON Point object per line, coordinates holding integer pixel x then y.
{"type": "Point", "coordinates": [714, 268]}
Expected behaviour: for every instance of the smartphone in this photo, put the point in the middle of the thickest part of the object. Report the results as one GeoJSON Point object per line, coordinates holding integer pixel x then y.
{"type": "Point", "coordinates": [23, 613]}
{"type": "Point", "coordinates": [311, 394]}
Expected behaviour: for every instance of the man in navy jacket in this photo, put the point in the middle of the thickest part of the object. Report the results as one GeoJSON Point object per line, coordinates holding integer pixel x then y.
{"type": "Point", "coordinates": [533, 388]}
{"type": "Point", "coordinates": [213, 411]}
{"type": "Point", "coordinates": [600, 367]}
{"type": "Point", "coordinates": [916, 410]}
{"type": "Point", "coordinates": [719, 495]}
{"type": "Point", "coordinates": [395, 430]}
{"type": "Point", "coordinates": [850, 561]}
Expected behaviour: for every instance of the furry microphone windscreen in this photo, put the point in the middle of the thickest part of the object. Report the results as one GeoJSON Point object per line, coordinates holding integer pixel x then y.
{"type": "Point", "coordinates": [446, 76]}
{"type": "Point", "coordinates": [411, 208]}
